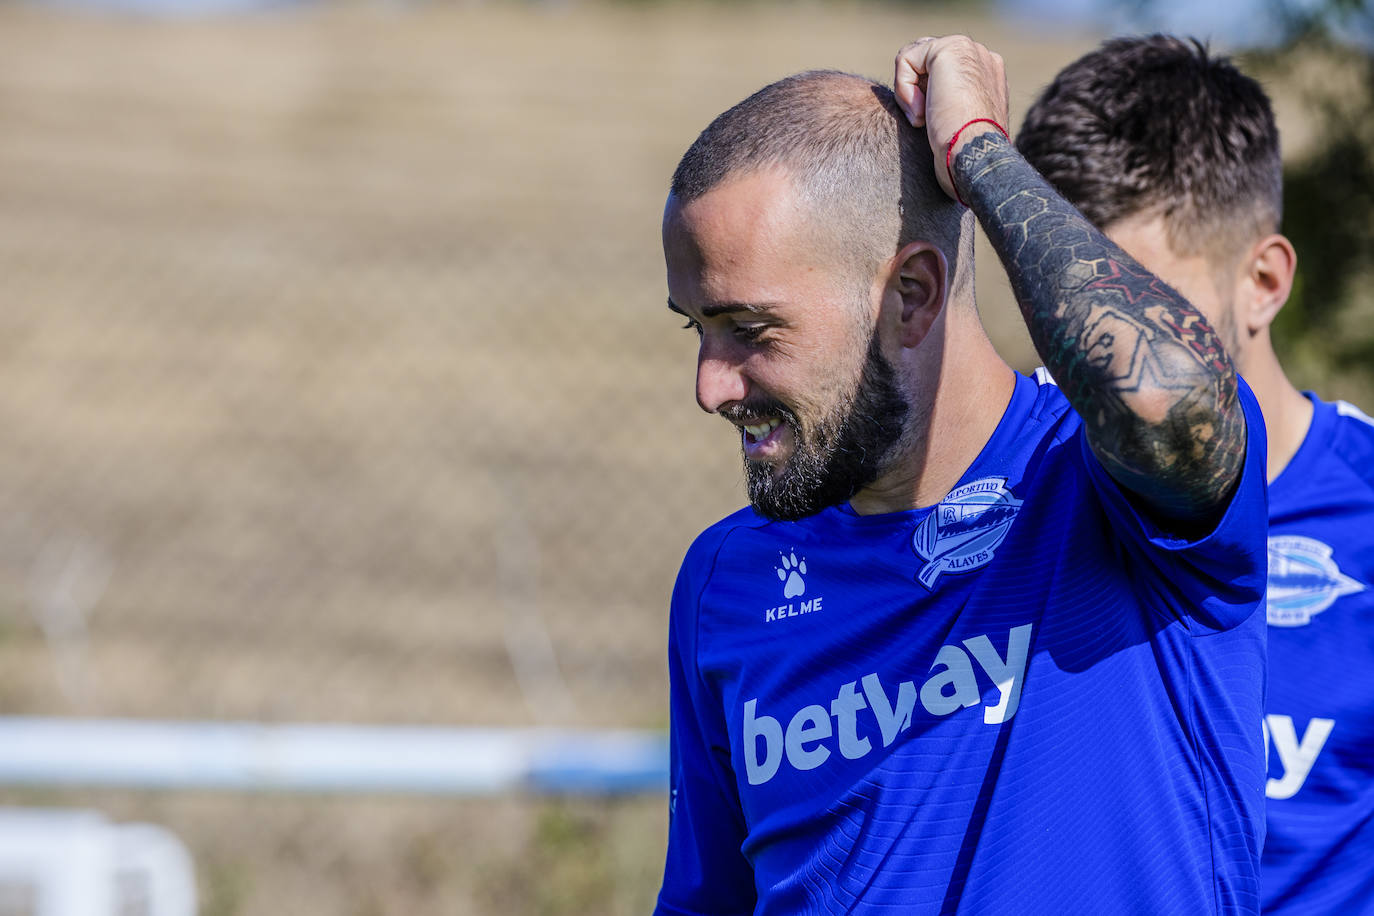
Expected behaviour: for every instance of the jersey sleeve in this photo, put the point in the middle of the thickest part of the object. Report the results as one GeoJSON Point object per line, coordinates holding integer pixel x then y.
{"type": "Point", "coordinates": [1216, 580]}
{"type": "Point", "coordinates": [706, 872]}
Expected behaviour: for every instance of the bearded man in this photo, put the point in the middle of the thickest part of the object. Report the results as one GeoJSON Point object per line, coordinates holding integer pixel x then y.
{"type": "Point", "coordinates": [980, 644]}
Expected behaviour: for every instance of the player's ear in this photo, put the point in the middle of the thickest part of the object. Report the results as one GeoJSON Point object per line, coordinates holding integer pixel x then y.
{"type": "Point", "coordinates": [919, 283]}
{"type": "Point", "coordinates": [1269, 277]}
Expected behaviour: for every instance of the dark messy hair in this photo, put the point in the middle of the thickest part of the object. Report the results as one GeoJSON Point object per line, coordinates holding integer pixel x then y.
{"type": "Point", "coordinates": [1158, 126]}
{"type": "Point", "coordinates": [865, 172]}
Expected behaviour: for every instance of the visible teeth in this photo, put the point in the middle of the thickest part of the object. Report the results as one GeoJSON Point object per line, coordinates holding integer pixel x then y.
{"type": "Point", "coordinates": [762, 430]}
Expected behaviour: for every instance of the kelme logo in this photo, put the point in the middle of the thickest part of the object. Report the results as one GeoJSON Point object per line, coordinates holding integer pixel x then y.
{"type": "Point", "coordinates": [790, 571]}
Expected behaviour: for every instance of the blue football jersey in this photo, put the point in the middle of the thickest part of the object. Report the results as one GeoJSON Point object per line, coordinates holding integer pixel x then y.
{"type": "Point", "coordinates": [1319, 855]}
{"type": "Point", "coordinates": [1026, 699]}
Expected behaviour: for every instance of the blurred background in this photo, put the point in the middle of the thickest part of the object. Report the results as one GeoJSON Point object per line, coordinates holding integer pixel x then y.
{"type": "Point", "coordinates": [337, 387]}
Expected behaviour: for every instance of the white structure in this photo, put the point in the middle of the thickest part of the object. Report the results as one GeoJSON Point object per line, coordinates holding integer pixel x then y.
{"type": "Point", "coordinates": [76, 863]}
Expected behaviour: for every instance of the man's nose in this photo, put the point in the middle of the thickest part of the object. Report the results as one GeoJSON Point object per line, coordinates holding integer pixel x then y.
{"type": "Point", "coordinates": [720, 381]}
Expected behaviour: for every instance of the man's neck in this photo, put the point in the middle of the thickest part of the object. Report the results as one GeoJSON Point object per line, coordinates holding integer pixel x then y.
{"type": "Point", "coordinates": [968, 399]}
{"type": "Point", "coordinates": [1287, 414]}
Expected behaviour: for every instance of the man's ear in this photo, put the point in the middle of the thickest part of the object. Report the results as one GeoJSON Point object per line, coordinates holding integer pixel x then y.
{"type": "Point", "coordinates": [919, 284]}
{"type": "Point", "coordinates": [1269, 279]}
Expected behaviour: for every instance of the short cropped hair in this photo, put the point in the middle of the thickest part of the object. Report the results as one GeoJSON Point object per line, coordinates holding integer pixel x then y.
{"type": "Point", "coordinates": [1158, 126]}
{"type": "Point", "coordinates": [854, 157]}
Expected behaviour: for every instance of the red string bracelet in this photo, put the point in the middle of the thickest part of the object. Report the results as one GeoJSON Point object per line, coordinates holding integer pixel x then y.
{"type": "Point", "coordinates": [949, 151]}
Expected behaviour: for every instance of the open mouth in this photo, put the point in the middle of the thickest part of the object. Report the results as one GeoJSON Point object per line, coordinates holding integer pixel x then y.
{"type": "Point", "coordinates": [757, 432]}
{"type": "Point", "coordinates": [763, 439]}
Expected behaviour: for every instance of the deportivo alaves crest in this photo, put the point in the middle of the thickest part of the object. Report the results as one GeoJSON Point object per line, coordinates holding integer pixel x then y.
{"type": "Point", "coordinates": [965, 529]}
{"type": "Point", "coordinates": [1304, 580]}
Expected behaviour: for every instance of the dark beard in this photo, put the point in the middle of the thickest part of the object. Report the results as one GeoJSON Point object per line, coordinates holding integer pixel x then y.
{"type": "Point", "coordinates": [844, 453]}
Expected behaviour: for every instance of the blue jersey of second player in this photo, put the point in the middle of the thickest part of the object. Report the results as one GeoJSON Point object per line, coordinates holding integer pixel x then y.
{"type": "Point", "coordinates": [1319, 854]}
{"type": "Point", "coordinates": [1023, 700]}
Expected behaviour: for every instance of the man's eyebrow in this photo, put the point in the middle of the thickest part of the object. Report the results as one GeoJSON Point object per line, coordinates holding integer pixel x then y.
{"type": "Point", "coordinates": [725, 308]}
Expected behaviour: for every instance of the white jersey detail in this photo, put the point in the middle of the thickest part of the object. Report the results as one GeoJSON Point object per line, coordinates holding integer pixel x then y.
{"type": "Point", "coordinates": [814, 731]}
{"type": "Point", "coordinates": [1346, 409]}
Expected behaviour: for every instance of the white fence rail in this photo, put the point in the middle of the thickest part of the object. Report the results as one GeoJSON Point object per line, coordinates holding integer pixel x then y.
{"type": "Point", "coordinates": [128, 753]}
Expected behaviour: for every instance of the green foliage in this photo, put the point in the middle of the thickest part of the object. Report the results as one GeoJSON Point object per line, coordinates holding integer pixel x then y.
{"type": "Point", "coordinates": [582, 858]}
{"type": "Point", "coordinates": [1328, 203]}
{"type": "Point", "coordinates": [223, 889]}
{"type": "Point", "coordinates": [1325, 329]}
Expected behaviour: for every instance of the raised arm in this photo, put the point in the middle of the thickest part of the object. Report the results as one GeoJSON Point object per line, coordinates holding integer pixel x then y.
{"type": "Point", "coordinates": [1141, 366]}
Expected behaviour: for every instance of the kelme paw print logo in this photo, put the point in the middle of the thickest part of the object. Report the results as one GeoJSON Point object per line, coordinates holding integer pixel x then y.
{"type": "Point", "coordinates": [790, 572]}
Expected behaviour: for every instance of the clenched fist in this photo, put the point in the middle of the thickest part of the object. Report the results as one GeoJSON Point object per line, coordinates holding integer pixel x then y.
{"type": "Point", "coordinates": [942, 84]}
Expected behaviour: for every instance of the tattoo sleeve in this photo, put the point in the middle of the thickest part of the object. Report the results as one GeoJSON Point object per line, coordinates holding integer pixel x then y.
{"type": "Point", "coordinates": [1140, 365]}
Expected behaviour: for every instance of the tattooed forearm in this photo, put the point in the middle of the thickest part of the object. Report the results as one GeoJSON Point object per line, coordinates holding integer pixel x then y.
{"type": "Point", "coordinates": [1142, 367]}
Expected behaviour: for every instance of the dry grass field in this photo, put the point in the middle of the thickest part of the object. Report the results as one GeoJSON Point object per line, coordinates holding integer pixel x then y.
{"type": "Point", "coordinates": [337, 385]}
{"type": "Point", "coordinates": [334, 359]}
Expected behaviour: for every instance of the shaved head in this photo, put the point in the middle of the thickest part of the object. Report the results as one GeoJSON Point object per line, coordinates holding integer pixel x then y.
{"type": "Point", "coordinates": [866, 176]}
